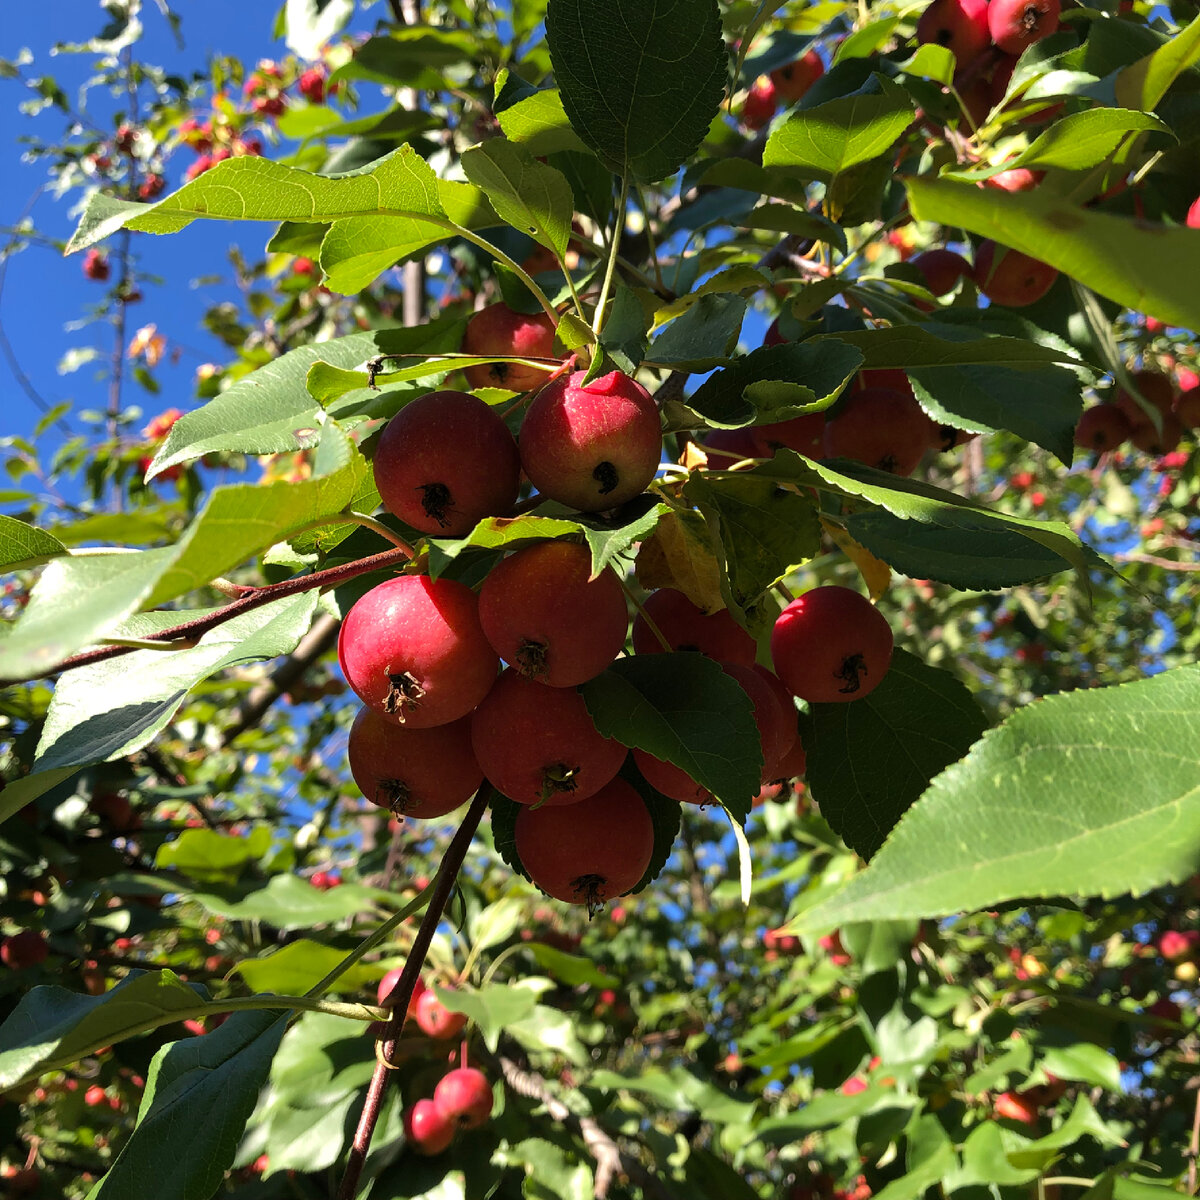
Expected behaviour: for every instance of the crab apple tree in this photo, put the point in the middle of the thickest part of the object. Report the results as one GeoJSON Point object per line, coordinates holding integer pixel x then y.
{"type": "Point", "coordinates": [598, 600]}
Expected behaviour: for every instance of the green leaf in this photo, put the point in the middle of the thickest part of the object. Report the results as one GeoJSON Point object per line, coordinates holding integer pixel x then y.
{"type": "Point", "coordinates": [110, 709]}
{"type": "Point", "coordinates": [572, 969]}
{"type": "Point", "coordinates": [495, 1006]}
{"type": "Point", "coordinates": [1146, 267]}
{"type": "Point", "coordinates": [869, 761]}
{"type": "Point", "coordinates": [257, 189]}
{"type": "Point", "coordinates": [78, 600]}
{"type": "Point", "coordinates": [623, 337]}
{"type": "Point", "coordinates": [413, 57]}
{"type": "Point", "coordinates": [941, 344]}
{"type": "Point", "coordinates": [529, 195]}
{"type": "Point", "coordinates": [641, 80]}
{"type": "Point", "coordinates": [269, 411]}
{"type": "Point", "coordinates": [932, 61]}
{"type": "Point", "coordinates": [289, 902]}
{"type": "Point", "coordinates": [22, 545]}
{"type": "Point", "coordinates": [830, 138]}
{"type": "Point", "coordinates": [206, 854]}
{"type": "Point", "coordinates": [825, 367]}
{"type": "Point", "coordinates": [539, 123]}
{"type": "Point", "coordinates": [295, 968]}
{"type": "Point", "coordinates": [1084, 1120]}
{"type": "Point", "coordinates": [703, 337]}
{"type": "Point", "coordinates": [1143, 84]}
{"type": "Point", "coordinates": [207, 1086]}
{"type": "Point", "coordinates": [1041, 806]}
{"type": "Point", "coordinates": [985, 560]}
{"type": "Point", "coordinates": [53, 1026]}
{"type": "Point", "coordinates": [1078, 141]}
{"type": "Point", "coordinates": [763, 531]}
{"type": "Point", "coordinates": [915, 500]}
{"type": "Point", "coordinates": [683, 709]}
{"type": "Point", "coordinates": [1083, 1061]}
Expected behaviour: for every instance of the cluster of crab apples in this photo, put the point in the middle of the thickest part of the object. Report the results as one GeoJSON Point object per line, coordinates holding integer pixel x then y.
{"type": "Point", "coordinates": [424, 655]}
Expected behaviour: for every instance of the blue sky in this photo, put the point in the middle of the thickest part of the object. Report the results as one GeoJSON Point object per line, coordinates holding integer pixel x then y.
{"type": "Point", "coordinates": [43, 292]}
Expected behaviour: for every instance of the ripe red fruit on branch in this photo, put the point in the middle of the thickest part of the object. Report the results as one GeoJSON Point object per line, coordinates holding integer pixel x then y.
{"type": "Point", "coordinates": [497, 329]}
{"type": "Point", "coordinates": [1102, 427]}
{"type": "Point", "coordinates": [1015, 1107]}
{"type": "Point", "coordinates": [959, 25]}
{"type": "Point", "coordinates": [446, 461]}
{"type": "Point", "coordinates": [792, 81]}
{"type": "Point", "coordinates": [880, 427]}
{"type": "Point", "coordinates": [1174, 945]}
{"type": "Point", "coordinates": [686, 627]}
{"type": "Point", "coordinates": [802, 434]}
{"type": "Point", "coordinates": [465, 1097]}
{"type": "Point", "coordinates": [413, 648]}
{"type": "Point", "coordinates": [831, 645]}
{"type": "Point", "coordinates": [1156, 390]}
{"type": "Point", "coordinates": [784, 733]}
{"type": "Point", "coordinates": [24, 949]}
{"type": "Point", "coordinates": [775, 731]}
{"type": "Point", "coordinates": [436, 1020]}
{"type": "Point", "coordinates": [311, 84]}
{"type": "Point", "coordinates": [1192, 220]}
{"type": "Point", "coordinates": [591, 446]}
{"type": "Point", "coordinates": [1154, 441]}
{"type": "Point", "coordinates": [671, 780]}
{"type": "Point", "coordinates": [428, 1129]}
{"type": "Point", "coordinates": [760, 103]}
{"type": "Point", "coordinates": [95, 266]}
{"type": "Point", "coordinates": [537, 743]}
{"type": "Point", "coordinates": [413, 772]}
{"type": "Point", "coordinates": [942, 269]}
{"type": "Point", "coordinates": [590, 852]}
{"type": "Point", "coordinates": [548, 619]}
{"type": "Point", "coordinates": [1016, 24]}
{"type": "Point", "coordinates": [390, 980]}
{"type": "Point", "coordinates": [1008, 277]}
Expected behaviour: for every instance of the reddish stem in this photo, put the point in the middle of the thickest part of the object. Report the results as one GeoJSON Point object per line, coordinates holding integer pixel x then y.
{"type": "Point", "coordinates": [255, 598]}
{"type": "Point", "coordinates": [400, 995]}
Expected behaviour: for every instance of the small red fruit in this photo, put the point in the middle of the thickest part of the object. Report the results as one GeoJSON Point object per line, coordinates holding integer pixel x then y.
{"type": "Point", "coordinates": [669, 779]}
{"type": "Point", "coordinates": [1015, 1107]}
{"type": "Point", "coordinates": [24, 949]}
{"type": "Point", "coordinates": [423, 773]}
{"type": "Point", "coordinates": [942, 269]}
{"type": "Point", "coordinates": [686, 627]}
{"type": "Point", "coordinates": [304, 267]}
{"type": "Point", "coordinates": [592, 446]}
{"type": "Point", "coordinates": [539, 744]}
{"type": "Point", "coordinates": [465, 1097]}
{"type": "Point", "coordinates": [546, 616]}
{"type": "Point", "coordinates": [413, 648]}
{"type": "Point", "coordinates": [95, 266]}
{"type": "Point", "coordinates": [497, 329]}
{"type": "Point", "coordinates": [390, 980]}
{"type": "Point", "coordinates": [1156, 390]}
{"type": "Point", "coordinates": [792, 81]}
{"type": "Point", "coordinates": [1174, 945]}
{"type": "Point", "coordinates": [1152, 441]}
{"type": "Point", "coordinates": [802, 434]}
{"type": "Point", "coordinates": [428, 1129]}
{"type": "Point", "coordinates": [151, 186]}
{"type": "Point", "coordinates": [831, 645]}
{"type": "Point", "coordinates": [1103, 427]}
{"type": "Point", "coordinates": [1010, 278]}
{"type": "Point", "coordinates": [311, 84]}
{"type": "Point", "coordinates": [436, 1020]}
{"type": "Point", "coordinates": [1192, 220]}
{"type": "Point", "coordinates": [445, 461]}
{"type": "Point", "coordinates": [1016, 179]}
{"type": "Point", "coordinates": [959, 25]}
{"type": "Point", "coordinates": [882, 428]}
{"type": "Point", "coordinates": [589, 852]}
{"type": "Point", "coordinates": [760, 103]}
{"type": "Point", "coordinates": [95, 1096]}
{"type": "Point", "coordinates": [1017, 24]}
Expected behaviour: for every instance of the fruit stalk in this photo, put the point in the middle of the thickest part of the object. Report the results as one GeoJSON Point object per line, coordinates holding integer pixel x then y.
{"type": "Point", "coordinates": [400, 995]}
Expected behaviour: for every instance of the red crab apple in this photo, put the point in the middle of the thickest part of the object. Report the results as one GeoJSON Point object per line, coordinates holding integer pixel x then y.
{"type": "Point", "coordinates": [591, 446]}
{"type": "Point", "coordinates": [1102, 427]}
{"type": "Point", "coordinates": [589, 852]}
{"type": "Point", "coordinates": [880, 427]}
{"type": "Point", "coordinates": [498, 329]}
{"type": "Point", "coordinates": [420, 773]}
{"type": "Point", "coordinates": [1156, 390]}
{"type": "Point", "coordinates": [436, 1020]}
{"type": "Point", "coordinates": [1192, 220]}
{"type": "Point", "coordinates": [802, 434]}
{"type": "Point", "coordinates": [95, 266]}
{"type": "Point", "coordinates": [1010, 278]}
{"type": "Point", "coordinates": [311, 84]}
{"type": "Point", "coordinates": [792, 81]}
{"type": "Point", "coordinates": [24, 949]}
{"type": "Point", "coordinates": [428, 1129]}
{"type": "Point", "coordinates": [959, 25]}
{"type": "Point", "coordinates": [686, 627]}
{"type": "Point", "coordinates": [390, 980]}
{"type": "Point", "coordinates": [413, 648]}
{"type": "Point", "coordinates": [1017, 24]}
{"type": "Point", "coordinates": [446, 461]}
{"type": "Point", "coordinates": [538, 744]}
{"type": "Point", "coordinates": [548, 618]}
{"type": "Point", "coordinates": [465, 1097]}
{"type": "Point", "coordinates": [942, 269]}
{"type": "Point", "coordinates": [831, 645]}
{"type": "Point", "coordinates": [1154, 441]}
{"type": "Point", "coordinates": [1015, 1107]}
{"type": "Point", "coordinates": [760, 103]}
{"type": "Point", "coordinates": [671, 780]}
{"type": "Point", "coordinates": [1015, 179]}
